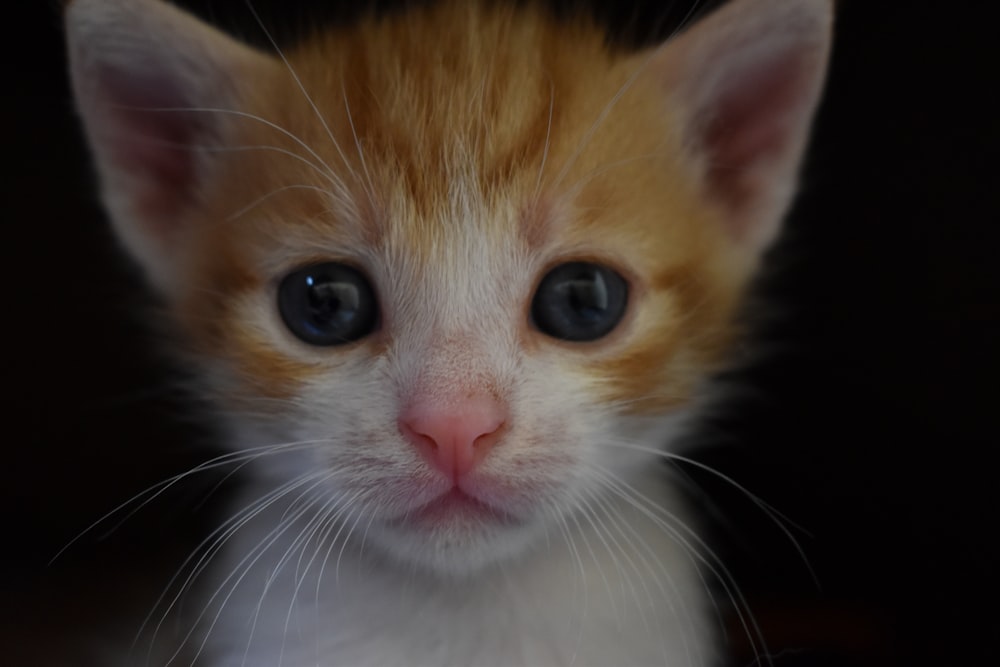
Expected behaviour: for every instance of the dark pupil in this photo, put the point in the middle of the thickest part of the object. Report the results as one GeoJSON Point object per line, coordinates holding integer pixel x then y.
{"type": "Point", "coordinates": [328, 304]}
{"type": "Point", "coordinates": [579, 301]}
{"type": "Point", "coordinates": [332, 303]}
{"type": "Point", "coordinates": [587, 294]}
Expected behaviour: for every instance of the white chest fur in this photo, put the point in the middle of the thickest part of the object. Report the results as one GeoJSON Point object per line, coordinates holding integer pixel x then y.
{"type": "Point", "coordinates": [611, 588]}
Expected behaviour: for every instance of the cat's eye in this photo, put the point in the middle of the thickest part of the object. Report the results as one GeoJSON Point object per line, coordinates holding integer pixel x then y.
{"type": "Point", "coordinates": [328, 304]}
{"type": "Point", "coordinates": [579, 301]}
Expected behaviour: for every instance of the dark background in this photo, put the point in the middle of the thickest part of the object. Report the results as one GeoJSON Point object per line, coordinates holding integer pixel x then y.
{"type": "Point", "coordinates": [869, 421]}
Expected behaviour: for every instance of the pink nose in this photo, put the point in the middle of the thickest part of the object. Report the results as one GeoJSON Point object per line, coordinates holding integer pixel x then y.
{"type": "Point", "coordinates": [453, 436]}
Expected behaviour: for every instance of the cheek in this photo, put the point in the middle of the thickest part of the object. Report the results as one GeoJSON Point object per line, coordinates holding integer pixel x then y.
{"type": "Point", "coordinates": [347, 421]}
{"type": "Point", "coordinates": [679, 337]}
{"type": "Point", "coordinates": [351, 406]}
{"type": "Point", "coordinates": [263, 367]}
{"type": "Point", "coordinates": [561, 424]}
{"type": "Point", "coordinates": [238, 332]}
{"type": "Point", "coordinates": [640, 444]}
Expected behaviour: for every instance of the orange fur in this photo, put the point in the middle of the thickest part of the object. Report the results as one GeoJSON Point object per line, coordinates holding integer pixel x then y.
{"type": "Point", "coordinates": [622, 190]}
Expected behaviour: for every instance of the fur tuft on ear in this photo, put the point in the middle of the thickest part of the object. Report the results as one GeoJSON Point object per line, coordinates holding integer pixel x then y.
{"type": "Point", "coordinates": [747, 80]}
{"type": "Point", "coordinates": [136, 65]}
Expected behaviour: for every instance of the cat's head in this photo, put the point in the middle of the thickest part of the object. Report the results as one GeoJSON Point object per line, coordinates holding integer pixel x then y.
{"type": "Point", "coordinates": [462, 268]}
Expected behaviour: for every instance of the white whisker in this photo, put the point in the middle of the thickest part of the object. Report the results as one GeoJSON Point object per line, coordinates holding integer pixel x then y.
{"type": "Point", "coordinates": [330, 174]}
{"type": "Point", "coordinates": [370, 187]}
{"type": "Point", "coordinates": [548, 138]}
{"type": "Point", "coordinates": [260, 200]}
{"type": "Point", "coordinates": [696, 549]}
{"type": "Point", "coordinates": [615, 550]}
{"type": "Point", "coordinates": [218, 539]}
{"type": "Point", "coordinates": [564, 529]}
{"type": "Point", "coordinates": [582, 182]}
{"type": "Point", "coordinates": [770, 511]}
{"type": "Point", "coordinates": [302, 88]}
{"type": "Point", "coordinates": [597, 565]}
{"type": "Point", "coordinates": [298, 543]}
{"type": "Point", "coordinates": [653, 565]}
{"type": "Point", "coordinates": [605, 113]}
{"type": "Point", "coordinates": [151, 493]}
{"type": "Point", "coordinates": [254, 555]}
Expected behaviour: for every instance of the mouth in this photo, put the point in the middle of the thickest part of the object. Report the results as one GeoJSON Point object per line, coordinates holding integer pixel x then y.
{"type": "Point", "coordinates": [456, 506]}
{"type": "Point", "coordinates": [458, 532]}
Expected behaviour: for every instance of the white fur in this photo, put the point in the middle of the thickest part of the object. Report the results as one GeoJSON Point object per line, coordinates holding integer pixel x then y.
{"type": "Point", "coordinates": [638, 605]}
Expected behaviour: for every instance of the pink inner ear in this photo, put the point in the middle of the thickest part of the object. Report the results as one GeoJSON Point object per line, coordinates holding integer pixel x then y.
{"type": "Point", "coordinates": [752, 128]}
{"type": "Point", "coordinates": [150, 143]}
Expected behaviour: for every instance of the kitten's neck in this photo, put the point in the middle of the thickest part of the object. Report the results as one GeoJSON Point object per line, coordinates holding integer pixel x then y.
{"type": "Point", "coordinates": [611, 576]}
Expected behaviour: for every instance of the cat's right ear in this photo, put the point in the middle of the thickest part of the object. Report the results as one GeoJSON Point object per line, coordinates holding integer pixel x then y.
{"type": "Point", "coordinates": [146, 76]}
{"type": "Point", "coordinates": [747, 80]}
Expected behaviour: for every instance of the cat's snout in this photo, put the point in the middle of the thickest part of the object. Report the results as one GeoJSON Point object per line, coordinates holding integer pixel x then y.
{"type": "Point", "coordinates": [454, 436]}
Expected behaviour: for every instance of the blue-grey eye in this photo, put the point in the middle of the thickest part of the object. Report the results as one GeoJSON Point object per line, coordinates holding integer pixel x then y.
{"type": "Point", "coordinates": [328, 304]}
{"type": "Point", "coordinates": [579, 301]}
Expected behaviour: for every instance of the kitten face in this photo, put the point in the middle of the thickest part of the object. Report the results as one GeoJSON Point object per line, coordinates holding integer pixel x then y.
{"type": "Point", "coordinates": [435, 190]}
{"type": "Point", "coordinates": [455, 257]}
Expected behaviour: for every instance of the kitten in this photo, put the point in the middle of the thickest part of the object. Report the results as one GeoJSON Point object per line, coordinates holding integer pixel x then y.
{"type": "Point", "coordinates": [452, 278]}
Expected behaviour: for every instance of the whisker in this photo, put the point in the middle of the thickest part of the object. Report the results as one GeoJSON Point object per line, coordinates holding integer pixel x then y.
{"type": "Point", "coordinates": [205, 550]}
{"type": "Point", "coordinates": [582, 182]}
{"type": "Point", "coordinates": [605, 113]}
{"type": "Point", "coordinates": [330, 173]}
{"type": "Point", "coordinates": [364, 535]}
{"type": "Point", "coordinates": [703, 554]}
{"type": "Point", "coordinates": [370, 189]}
{"type": "Point", "coordinates": [597, 564]}
{"type": "Point", "coordinates": [319, 532]}
{"type": "Point", "coordinates": [600, 529]}
{"type": "Point", "coordinates": [153, 492]}
{"type": "Point", "coordinates": [769, 510]}
{"type": "Point", "coordinates": [260, 200]}
{"type": "Point", "coordinates": [209, 148]}
{"type": "Point", "coordinates": [560, 522]}
{"type": "Point", "coordinates": [209, 548]}
{"type": "Point", "coordinates": [298, 543]}
{"type": "Point", "coordinates": [689, 17]}
{"type": "Point", "coordinates": [335, 521]}
{"type": "Point", "coordinates": [252, 558]}
{"type": "Point", "coordinates": [548, 137]}
{"type": "Point", "coordinates": [301, 87]}
{"type": "Point", "coordinates": [633, 537]}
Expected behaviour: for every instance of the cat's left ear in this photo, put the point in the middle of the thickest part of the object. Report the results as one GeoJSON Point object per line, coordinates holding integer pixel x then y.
{"type": "Point", "coordinates": [747, 81]}
{"type": "Point", "coordinates": [156, 89]}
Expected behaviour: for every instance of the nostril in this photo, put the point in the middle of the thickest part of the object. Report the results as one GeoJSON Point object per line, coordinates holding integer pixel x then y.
{"type": "Point", "coordinates": [489, 438]}
{"type": "Point", "coordinates": [416, 437]}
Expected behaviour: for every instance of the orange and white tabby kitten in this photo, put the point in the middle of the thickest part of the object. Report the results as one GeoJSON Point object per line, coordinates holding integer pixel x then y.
{"type": "Point", "coordinates": [453, 277]}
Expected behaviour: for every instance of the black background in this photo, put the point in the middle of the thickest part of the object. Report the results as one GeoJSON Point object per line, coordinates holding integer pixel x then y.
{"type": "Point", "coordinates": [869, 422]}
